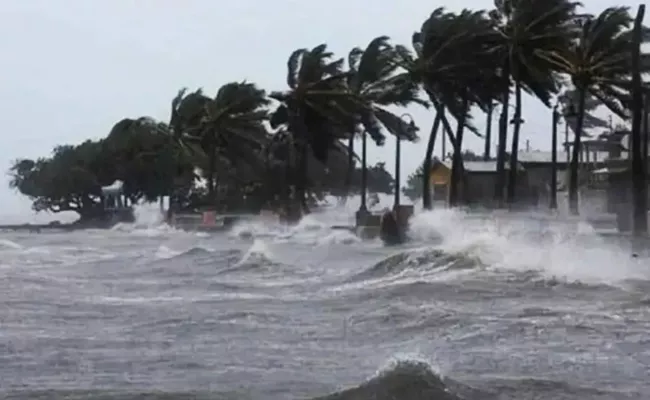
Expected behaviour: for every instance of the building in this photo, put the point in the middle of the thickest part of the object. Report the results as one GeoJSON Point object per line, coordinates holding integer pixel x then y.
{"type": "Point", "coordinates": [115, 204]}
{"type": "Point", "coordinates": [539, 168]}
{"type": "Point", "coordinates": [477, 182]}
{"type": "Point", "coordinates": [614, 177]}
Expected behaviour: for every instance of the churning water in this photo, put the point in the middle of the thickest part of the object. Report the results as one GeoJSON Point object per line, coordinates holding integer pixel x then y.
{"type": "Point", "coordinates": [471, 309]}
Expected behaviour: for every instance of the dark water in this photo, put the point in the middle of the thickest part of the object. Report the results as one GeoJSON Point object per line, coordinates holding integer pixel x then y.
{"type": "Point", "coordinates": [469, 314]}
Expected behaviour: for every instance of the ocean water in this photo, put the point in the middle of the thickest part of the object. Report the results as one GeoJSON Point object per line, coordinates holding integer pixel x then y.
{"type": "Point", "coordinates": [472, 308]}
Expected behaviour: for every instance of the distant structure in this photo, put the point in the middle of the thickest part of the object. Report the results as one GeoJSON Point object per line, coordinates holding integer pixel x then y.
{"type": "Point", "coordinates": [477, 182]}
{"type": "Point", "coordinates": [116, 205]}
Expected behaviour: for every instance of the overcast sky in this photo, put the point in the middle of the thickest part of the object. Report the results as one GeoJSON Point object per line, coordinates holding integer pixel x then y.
{"type": "Point", "coordinates": [70, 69]}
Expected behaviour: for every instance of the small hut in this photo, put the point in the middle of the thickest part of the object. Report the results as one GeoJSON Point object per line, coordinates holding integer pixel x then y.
{"type": "Point", "coordinates": [115, 204]}
{"type": "Point", "coordinates": [113, 196]}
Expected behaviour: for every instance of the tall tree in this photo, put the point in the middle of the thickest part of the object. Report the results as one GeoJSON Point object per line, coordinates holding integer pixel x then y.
{"type": "Point", "coordinates": [145, 156]}
{"type": "Point", "coordinates": [69, 180]}
{"type": "Point", "coordinates": [448, 50]}
{"type": "Point", "coordinates": [228, 127]}
{"type": "Point", "coordinates": [374, 79]}
{"type": "Point", "coordinates": [530, 30]}
{"type": "Point", "coordinates": [318, 109]}
{"type": "Point", "coordinates": [599, 63]}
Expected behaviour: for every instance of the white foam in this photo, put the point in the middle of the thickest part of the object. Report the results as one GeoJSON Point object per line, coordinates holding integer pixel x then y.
{"type": "Point", "coordinates": [259, 249]}
{"type": "Point", "coordinates": [514, 243]}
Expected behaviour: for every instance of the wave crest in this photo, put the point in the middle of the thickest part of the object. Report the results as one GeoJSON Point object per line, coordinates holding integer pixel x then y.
{"type": "Point", "coordinates": [407, 380]}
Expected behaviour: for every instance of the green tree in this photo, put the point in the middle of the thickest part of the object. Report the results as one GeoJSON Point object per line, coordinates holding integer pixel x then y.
{"type": "Point", "coordinates": [280, 181]}
{"type": "Point", "coordinates": [66, 181]}
{"type": "Point", "coordinates": [374, 79]}
{"type": "Point", "coordinates": [528, 31]}
{"type": "Point", "coordinates": [318, 109]}
{"type": "Point", "coordinates": [229, 128]}
{"type": "Point", "coordinates": [599, 63]}
{"type": "Point", "coordinates": [146, 157]}
{"type": "Point", "coordinates": [413, 189]}
{"type": "Point", "coordinates": [451, 62]}
{"type": "Point", "coordinates": [567, 100]}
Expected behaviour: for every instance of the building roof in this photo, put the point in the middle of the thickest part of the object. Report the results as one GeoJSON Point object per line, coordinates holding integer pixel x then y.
{"type": "Point", "coordinates": [114, 188]}
{"type": "Point", "coordinates": [603, 145]}
{"type": "Point", "coordinates": [479, 166]}
{"type": "Point", "coordinates": [545, 157]}
{"type": "Point", "coordinates": [610, 170]}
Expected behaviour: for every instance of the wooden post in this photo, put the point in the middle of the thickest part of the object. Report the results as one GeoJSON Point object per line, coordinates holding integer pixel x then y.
{"type": "Point", "coordinates": [639, 172]}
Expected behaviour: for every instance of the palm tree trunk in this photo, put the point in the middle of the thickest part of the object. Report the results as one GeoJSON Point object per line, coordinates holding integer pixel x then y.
{"type": "Point", "coordinates": [457, 160]}
{"type": "Point", "coordinates": [639, 168]}
{"type": "Point", "coordinates": [646, 113]}
{"type": "Point", "coordinates": [443, 118]}
{"type": "Point", "coordinates": [301, 189]}
{"type": "Point", "coordinates": [488, 132]}
{"type": "Point", "coordinates": [426, 165]}
{"type": "Point", "coordinates": [350, 172]}
{"type": "Point", "coordinates": [364, 172]}
{"type": "Point", "coordinates": [575, 154]}
{"type": "Point", "coordinates": [500, 182]}
{"type": "Point", "coordinates": [287, 183]}
{"type": "Point", "coordinates": [302, 164]}
{"type": "Point", "coordinates": [212, 165]}
{"type": "Point", "coordinates": [514, 151]}
{"type": "Point", "coordinates": [447, 129]}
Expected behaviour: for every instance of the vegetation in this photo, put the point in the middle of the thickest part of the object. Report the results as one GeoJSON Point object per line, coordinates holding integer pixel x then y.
{"type": "Point", "coordinates": [460, 61]}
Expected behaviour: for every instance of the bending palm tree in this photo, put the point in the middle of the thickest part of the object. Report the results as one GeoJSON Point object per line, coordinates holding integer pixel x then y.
{"type": "Point", "coordinates": [318, 109]}
{"type": "Point", "coordinates": [528, 31]}
{"type": "Point", "coordinates": [232, 129]}
{"type": "Point", "coordinates": [374, 82]}
{"type": "Point", "coordinates": [228, 128]}
{"type": "Point", "coordinates": [599, 63]}
{"type": "Point", "coordinates": [448, 50]}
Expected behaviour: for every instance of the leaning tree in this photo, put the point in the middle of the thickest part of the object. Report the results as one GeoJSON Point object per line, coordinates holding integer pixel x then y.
{"type": "Point", "coordinates": [598, 61]}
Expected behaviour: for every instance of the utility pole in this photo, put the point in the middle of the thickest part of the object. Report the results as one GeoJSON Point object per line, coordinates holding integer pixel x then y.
{"type": "Point", "coordinates": [556, 118]}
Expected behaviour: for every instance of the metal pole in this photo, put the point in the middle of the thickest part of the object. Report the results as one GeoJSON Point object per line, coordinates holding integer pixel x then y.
{"type": "Point", "coordinates": [556, 117]}
{"type": "Point", "coordinates": [644, 122]}
{"type": "Point", "coordinates": [397, 170]}
{"type": "Point", "coordinates": [488, 132]}
{"type": "Point", "coordinates": [364, 173]}
{"type": "Point", "coordinates": [566, 142]}
{"type": "Point", "coordinates": [398, 161]}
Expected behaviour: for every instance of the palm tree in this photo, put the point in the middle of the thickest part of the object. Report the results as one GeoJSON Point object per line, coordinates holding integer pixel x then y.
{"type": "Point", "coordinates": [568, 98]}
{"type": "Point", "coordinates": [529, 30]}
{"type": "Point", "coordinates": [233, 129]}
{"type": "Point", "coordinates": [457, 159]}
{"type": "Point", "coordinates": [144, 144]}
{"type": "Point", "coordinates": [229, 128]}
{"type": "Point", "coordinates": [281, 176]}
{"type": "Point", "coordinates": [318, 109]}
{"type": "Point", "coordinates": [449, 51]}
{"type": "Point", "coordinates": [374, 80]}
{"type": "Point", "coordinates": [599, 63]}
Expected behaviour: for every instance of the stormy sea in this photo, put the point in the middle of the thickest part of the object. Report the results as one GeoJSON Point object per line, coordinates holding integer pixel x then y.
{"type": "Point", "coordinates": [474, 307]}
